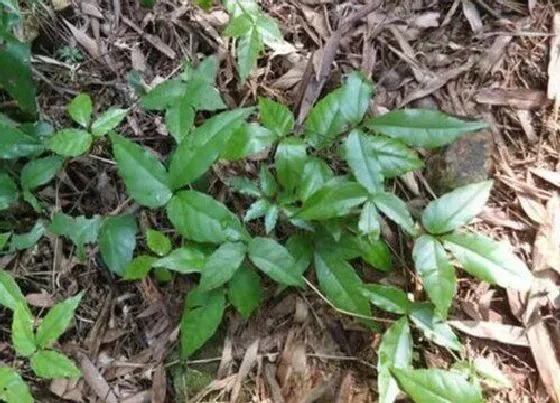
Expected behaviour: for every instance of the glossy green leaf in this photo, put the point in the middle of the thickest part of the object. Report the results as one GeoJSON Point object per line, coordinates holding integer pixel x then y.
{"type": "Point", "coordinates": [23, 338]}
{"type": "Point", "coordinates": [80, 109]}
{"type": "Point", "coordinates": [270, 218]}
{"type": "Point", "coordinates": [355, 96]}
{"type": "Point", "coordinates": [157, 242]}
{"type": "Point", "coordinates": [13, 388]}
{"type": "Point", "coordinates": [10, 293]}
{"type": "Point", "coordinates": [47, 364]}
{"type": "Point", "coordinates": [340, 283]}
{"type": "Point", "coordinates": [362, 161]}
{"type": "Point", "coordinates": [436, 271]}
{"type": "Point", "coordinates": [9, 193]}
{"type": "Point", "coordinates": [237, 7]}
{"type": "Point", "coordinates": [249, 46]}
{"type": "Point", "coordinates": [276, 117]}
{"type": "Point", "coordinates": [491, 261]}
{"type": "Point", "coordinates": [275, 261]}
{"type": "Point", "coordinates": [333, 200]}
{"type": "Point", "coordinates": [395, 351]}
{"type": "Point", "coordinates": [395, 209]}
{"type": "Point", "coordinates": [316, 173]}
{"type": "Point", "coordinates": [203, 96]}
{"type": "Point", "coordinates": [325, 121]}
{"type": "Point", "coordinates": [200, 218]}
{"type": "Point", "coordinates": [393, 157]}
{"type": "Point", "coordinates": [290, 159]}
{"type": "Point", "coordinates": [243, 185]}
{"type": "Point", "coordinates": [388, 298]}
{"type": "Point", "coordinates": [457, 208]}
{"type": "Point", "coordinates": [369, 220]}
{"type": "Point", "coordinates": [300, 247]}
{"type": "Point", "coordinates": [202, 147]}
{"type": "Point", "coordinates": [267, 182]}
{"type": "Point", "coordinates": [108, 121]}
{"type": "Point", "coordinates": [238, 26]}
{"type": "Point", "coordinates": [375, 252]}
{"type": "Point", "coordinates": [138, 268]}
{"type": "Point", "coordinates": [183, 260]}
{"type": "Point", "coordinates": [57, 320]}
{"type": "Point", "coordinates": [70, 142]}
{"type": "Point", "coordinates": [437, 386]}
{"type": "Point", "coordinates": [27, 240]}
{"type": "Point", "coordinates": [15, 143]}
{"type": "Point", "coordinates": [222, 265]}
{"type": "Point", "coordinates": [206, 70]}
{"type": "Point", "coordinates": [17, 78]}
{"type": "Point", "coordinates": [144, 175]}
{"type": "Point", "coordinates": [271, 35]}
{"type": "Point", "coordinates": [179, 119]}
{"type": "Point", "coordinates": [40, 171]}
{"type": "Point", "coordinates": [117, 241]}
{"type": "Point", "coordinates": [422, 315]}
{"type": "Point", "coordinates": [201, 317]}
{"type": "Point", "coordinates": [426, 128]}
{"type": "Point", "coordinates": [245, 291]}
{"type": "Point", "coordinates": [164, 95]}
{"type": "Point", "coordinates": [248, 140]}
{"type": "Point", "coordinates": [79, 230]}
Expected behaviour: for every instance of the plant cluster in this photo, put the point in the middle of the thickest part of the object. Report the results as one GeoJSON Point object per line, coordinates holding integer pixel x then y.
{"type": "Point", "coordinates": [314, 218]}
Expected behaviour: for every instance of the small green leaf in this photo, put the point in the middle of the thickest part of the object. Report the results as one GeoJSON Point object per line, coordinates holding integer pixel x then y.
{"type": "Point", "coordinates": [202, 219]}
{"type": "Point", "coordinates": [222, 265]}
{"type": "Point", "coordinates": [249, 46]}
{"type": "Point", "coordinates": [117, 240]}
{"type": "Point", "coordinates": [237, 7]}
{"type": "Point", "coordinates": [15, 143]}
{"type": "Point", "coordinates": [80, 109]}
{"type": "Point", "coordinates": [138, 268]}
{"type": "Point", "coordinates": [267, 182]}
{"type": "Point", "coordinates": [363, 163]}
{"type": "Point", "coordinates": [395, 209]}
{"type": "Point", "coordinates": [271, 35]}
{"type": "Point", "coordinates": [238, 26]}
{"type": "Point", "coordinates": [325, 121]}
{"type": "Point", "coordinates": [17, 77]}
{"type": "Point", "coordinates": [490, 374]}
{"type": "Point", "coordinates": [243, 185]}
{"type": "Point", "coordinates": [144, 175]}
{"type": "Point", "coordinates": [355, 97]}
{"type": "Point", "coordinates": [31, 199]}
{"type": "Point", "coordinates": [201, 317]}
{"type": "Point", "coordinates": [23, 338]}
{"type": "Point", "coordinates": [388, 298]}
{"type": "Point", "coordinates": [395, 351]}
{"type": "Point", "coordinates": [270, 218]}
{"type": "Point", "coordinates": [275, 261]}
{"type": "Point", "coordinates": [164, 95]}
{"type": "Point", "coordinates": [40, 171]}
{"type": "Point", "coordinates": [179, 119]}
{"type": "Point", "coordinates": [375, 252]}
{"type": "Point", "coordinates": [79, 230]}
{"type": "Point", "coordinates": [256, 210]}
{"type": "Point", "coordinates": [491, 261]}
{"type": "Point", "coordinates": [422, 314]}
{"type": "Point", "coordinates": [457, 208]}
{"type": "Point", "coordinates": [162, 275]}
{"type": "Point", "coordinates": [8, 191]}
{"type": "Point", "coordinates": [183, 260]}
{"type": "Point", "coordinates": [436, 271]}
{"type": "Point", "coordinates": [57, 320]}
{"type": "Point", "coordinates": [204, 4]}
{"type": "Point", "coordinates": [48, 364]}
{"type": "Point", "coordinates": [108, 120]}
{"type": "Point", "coordinates": [13, 388]}
{"type": "Point", "coordinates": [426, 128]}
{"type": "Point", "coordinates": [4, 237]}
{"type": "Point", "coordinates": [250, 139]}
{"type": "Point", "coordinates": [245, 291]}
{"type": "Point", "coordinates": [207, 70]}
{"type": "Point", "coordinates": [276, 117]}
{"type": "Point", "coordinates": [369, 220]}
{"type": "Point", "coordinates": [10, 293]}
{"type": "Point", "coordinates": [157, 242]}
{"type": "Point", "coordinates": [300, 247]}
{"type": "Point", "coordinates": [70, 142]}
{"type": "Point", "coordinates": [28, 239]}
{"type": "Point", "coordinates": [333, 200]}
{"type": "Point", "coordinates": [316, 173]}
{"type": "Point", "coordinates": [290, 159]}
{"type": "Point", "coordinates": [203, 96]}
{"type": "Point", "coordinates": [437, 386]}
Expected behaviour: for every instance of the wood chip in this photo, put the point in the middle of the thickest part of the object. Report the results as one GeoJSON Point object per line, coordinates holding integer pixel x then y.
{"type": "Point", "coordinates": [553, 89]}
{"type": "Point", "coordinates": [473, 16]}
{"type": "Point", "coordinates": [520, 98]}
{"type": "Point", "coordinates": [507, 334]}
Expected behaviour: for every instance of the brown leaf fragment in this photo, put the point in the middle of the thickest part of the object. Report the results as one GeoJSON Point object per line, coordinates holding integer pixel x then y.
{"type": "Point", "coordinates": [250, 359]}
{"type": "Point", "coordinates": [473, 16]}
{"type": "Point", "coordinates": [527, 125]}
{"type": "Point", "coordinates": [88, 43]}
{"type": "Point", "coordinates": [544, 352]}
{"type": "Point", "coordinates": [426, 20]}
{"type": "Point", "coordinates": [91, 9]}
{"type": "Point", "coordinates": [95, 380]}
{"type": "Point", "coordinates": [549, 176]}
{"type": "Point", "coordinates": [346, 389]}
{"type": "Point", "coordinates": [507, 334]}
{"type": "Point", "coordinates": [553, 88]}
{"type": "Point", "coordinates": [534, 210]}
{"type": "Point", "coordinates": [159, 388]}
{"type": "Point", "coordinates": [41, 300]}
{"type": "Point", "coordinates": [547, 243]}
{"type": "Point", "coordinates": [520, 98]}
{"type": "Point", "coordinates": [490, 60]}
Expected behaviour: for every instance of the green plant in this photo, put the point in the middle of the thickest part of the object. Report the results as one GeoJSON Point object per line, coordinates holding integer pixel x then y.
{"type": "Point", "coordinates": [35, 342]}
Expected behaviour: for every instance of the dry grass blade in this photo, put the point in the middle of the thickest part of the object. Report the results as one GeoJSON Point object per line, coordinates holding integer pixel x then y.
{"type": "Point", "coordinates": [507, 334]}
{"type": "Point", "coordinates": [547, 244]}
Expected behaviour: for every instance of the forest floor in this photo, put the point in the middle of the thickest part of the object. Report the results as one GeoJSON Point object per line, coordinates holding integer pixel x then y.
{"type": "Point", "coordinates": [480, 59]}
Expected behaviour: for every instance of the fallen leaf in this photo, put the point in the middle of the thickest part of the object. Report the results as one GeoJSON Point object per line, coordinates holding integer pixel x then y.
{"type": "Point", "coordinates": [490, 59]}
{"type": "Point", "coordinates": [506, 334]}
{"type": "Point", "coordinates": [549, 176]}
{"type": "Point", "coordinates": [95, 380]}
{"type": "Point", "coordinates": [521, 98]}
{"type": "Point", "coordinates": [534, 210]}
{"type": "Point", "coordinates": [473, 16]}
{"type": "Point", "coordinates": [527, 124]}
{"type": "Point", "coordinates": [543, 350]}
{"type": "Point", "coordinates": [426, 20]}
{"type": "Point", "coordinates": [40, 300]}
{"type": "Point", "coordinates": [553, 88]}
{"type": "Point", "coordinates": [88, 43]}
{"type": "Point", "coordinates": [250, 359]}
{"type": "Point", "coordinates": [159, 384]}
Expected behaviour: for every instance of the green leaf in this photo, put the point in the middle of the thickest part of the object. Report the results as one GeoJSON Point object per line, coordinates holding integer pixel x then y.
{"type": "Point", "coordinates": [162, 275]}
{"type": "Point", "coordinates": [31, 199]}
{"type": "Point", "coordinates": [245, 291]}
{"type": "Point", "coordinates": [40, 171]}
{"type": "Point", "coordinates": [4, 237]}
{"type": "Point", "coordinates": [375, 252]}
{"type": "Point", "coordinates": [426, 128]}
{"type": "Point", "coordinates": [183, 260]}
{"type": "Point", "coordinates": [490, 374]}
{"type": "Point", "coordinates": [491, 261]}
{"type": "Point", "coordinates": [53, 365]}
{"type": "Point", "coordinates": [436, 271]}
{"type": "Point", "coordinates": [203, 146]}
{"type": "Point", "coordinates": [13, 388]}
{"type": "Point", "coordinates": [202, 219]}
{"type": "Point", "coordinates": [207, 70]}
{"type": "Point", "coordinates": [267, 182]}
{"type": "Point", "coordinates": [333, 200]}
{"type": "Point", "coordinates": [362, 161]}
{"type": "Point", "coordinates": [179, 119]}
{"type": "Point", "coordinates": [388, 298]}
{"type": "Point", "coordinates": [164, 95]}
{"type": "Point", "coordinates": [28, 239]}
{"type": "Point", "coordinates": [276, 117]}
{"type": "Point", "coordinates": [79, 230]}
{"type": "Point", "coordinates": [138, 268]}
{"type": "Point", "coordinates": [23, 338]}
{"type": "Point", "coordinates": [222, 265]}
{"type": "Point", "coordinates": [243, 185]}
{"type": "Point", "coordinates": [204, 4]}
{"type": "Point", "coordinates": [57, 320]}
{"type": "Point", "coordinates": [80, 109]}
{"type": "Point", "coordinates": [437, 386]}
{"type": "Point", "coordinates": [316, 173]}
{"type": "Point", "coordinates": [270, 218]}
{"type": "Point", "coordinates": [144, 175]}
{"type": "Point", "coordinates": [325, 121]}
{"type": "Point", "coordinates": [393, 157]}
{"type": "Point", "coordinates": [289, 159]}
{"type": "Point", "coordinates": [250, 139]}
{"type": "Point", "coordinates": [157, 242]}
{"type": "Point", "coordinates": [422, 314]}
{"type": "Point", "coordinates": [395, 209]}
{"type": "Point", "coordinates": [271, 35]}
{"type": "Point", "coordinates": [10, 293]}
{"type": "Point", "coordinates": [275, 261]}
{"type": "Point", "coordinates": [15, 143]}
{"type": "Point", "coordinates": [457, 208]}
{"type": "Point", "coordinates": [355, 96]}
{"type": "Point", "coordinates": [300, 247]}
{"type": "Point", "coordinates": [17, 78]}
{"type": "Point", "coordinates": [395, 351]}
{"type": "Point", "coordinates": [117, 240]}
{"type": "Point", "coordinates": [108, 120]}
{"type": "Point", "coordinates": [238, 26]}
{"type": "Point", "coordinates": [237, 7]}
{"type": "Point", "coordinates": [340, 283]}
{"type": "Point", "coordinates": [249, 46]}
{"type": "Point", "coordinates": [70, 142]}
{"type": "Point", "coordinates": [201, 317]}
{"type": "Point", "coordinates": [8, 191]}
{"type": "Point", "coordinates": [203, 96]}
{"type": "Point", "coordinates": [369, 220]}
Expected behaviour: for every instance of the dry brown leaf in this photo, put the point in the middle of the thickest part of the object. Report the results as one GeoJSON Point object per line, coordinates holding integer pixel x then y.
{"type": "Point", "coordinates": [95, 380]}
{"type": "Point", "coordinates": [91, 9]}
{"type": "Point", "coordinates": [534, 210]}
{"type": "Point", "coordinates": [553, 88]}
{"type": "Point", "coordinates": [426, 20]}
{"type": "Point", "coordinates": [89, 44]}
{"type": "Point", "coordinates": [473, 16]}
{"type": "Point", "coordinates": [521, 98]}
{"type": "Point", "coordinates": [547, 243]}
{"type": "Point", "coordinates": [250, 359]}
{"type": "Point", "coordinates": [507, 334]}
{"type": "Point", "coordinates": [543, 350]}
{"type": "Point", "coordinates": [67, 389]}
{"type": "Point", "coordinates": [549, 176]}
{"type": "Point", "coordinates": [526, 123]}
{"type": "Point", "coordinates": [159, 384]}
{"type": "Point", "coordinates": [494, 54]}
{"type": "Point", "coordinates": [138, 59]}
{"type": "Point", "coordinates": [41, 300]}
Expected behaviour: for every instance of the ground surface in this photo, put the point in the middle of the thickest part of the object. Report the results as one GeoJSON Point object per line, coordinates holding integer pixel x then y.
{"type": "Point", "coordinates": [458, 56]}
